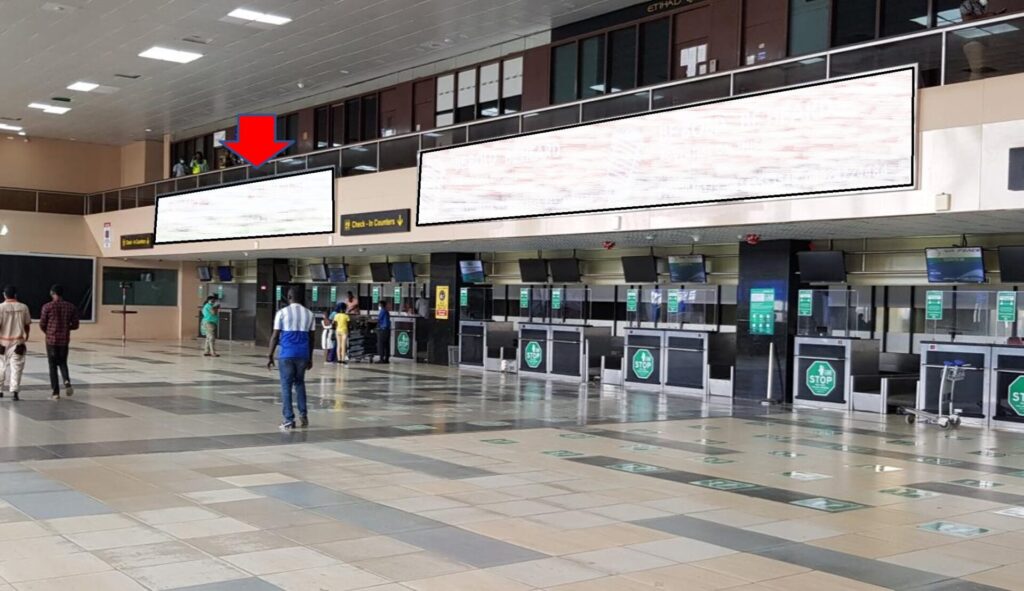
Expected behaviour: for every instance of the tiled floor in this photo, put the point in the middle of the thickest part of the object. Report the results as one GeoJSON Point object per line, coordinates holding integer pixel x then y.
{"type": "Point", "coordinates": [166, 471]}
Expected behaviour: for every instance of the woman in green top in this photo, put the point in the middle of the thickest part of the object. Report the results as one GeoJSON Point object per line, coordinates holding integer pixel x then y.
{"type": "Point", "coordinates": [211, 320]}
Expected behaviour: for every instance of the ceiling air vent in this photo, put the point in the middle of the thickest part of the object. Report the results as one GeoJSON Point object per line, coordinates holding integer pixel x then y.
{"type": "Point", "coordinates": [197, 40]}
{"type": "Point", "coordinates": [10, 118]}
{"type": "Point", "coordinates": [129, 76]}
{"type": "Point", "coordinates": [62, 99]}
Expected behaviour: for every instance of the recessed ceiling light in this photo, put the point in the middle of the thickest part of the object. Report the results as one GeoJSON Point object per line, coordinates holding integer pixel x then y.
{"type": "Point", "coordinates": [22, 133]}
{"type": "Point", "coordinates": [259, 17]}
{"type": "Point", "coordinates": [148, 129]}
{"type": "Point", "coordinates": [83, 86]}
{"type": "Point", "coordinates": [170, 55]}
{"type": "Point", "coordinates": [51, 109]}
{"type": "Point", "coordinates": [6, 127]}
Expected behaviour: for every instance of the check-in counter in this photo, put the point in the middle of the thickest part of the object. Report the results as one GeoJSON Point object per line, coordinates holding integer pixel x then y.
{"type": "Point", "coordinates": [643, 361]}
{"type": "Point", "coordinates": [570, 350]}
{"type": "Point", "coordinates": [972, 396]}
{"type": "Point", "coordinates": [686, 362]}
{"type": "Point", "coordinates": [484, 344]}
{"type": "Point", "coordinates": [403, 337]}
{"type": "Point", "coordinates": [1007, 393]}
{"type": "Point", "coordinates": [824, 369]}
{"type": "Point", "coordinates": [534, 348]}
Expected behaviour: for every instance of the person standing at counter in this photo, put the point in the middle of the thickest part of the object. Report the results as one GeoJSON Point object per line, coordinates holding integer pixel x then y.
{"type": "Point", "coordinates": [384, 333]}
{"type": "Point", "coordinates": [341, 322]}
{"type": "Point", "coordinates": [211, 320]}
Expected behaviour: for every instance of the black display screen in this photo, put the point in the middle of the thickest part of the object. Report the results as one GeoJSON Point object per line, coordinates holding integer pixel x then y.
{"type": "Point", "coordinates": [380, 272]}
{"type": "Point", "coordinates": [1011, 264]}
{"type": "Point", "coordinates": [640, 269]}
{"type": "Point", "coordinates": [565, 270]}
{"type": "Point", "coordinates": [404, 272]}
{"type": "Point", "coordinates": [318, 272]}
{"type": "Point", "coordinates": [533, 270]}
{"type": "Point", "coordinates": [822, 266]}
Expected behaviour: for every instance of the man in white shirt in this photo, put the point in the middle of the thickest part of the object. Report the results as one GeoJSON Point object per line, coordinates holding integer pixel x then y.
{"type": "Point", "coordinates": [15, 324]}
{"type": "Point", "coordinates": [293, 330]}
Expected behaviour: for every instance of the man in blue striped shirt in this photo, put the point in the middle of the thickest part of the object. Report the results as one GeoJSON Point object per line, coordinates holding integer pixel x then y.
{"type": "Point", "coordinates": [294, 332]}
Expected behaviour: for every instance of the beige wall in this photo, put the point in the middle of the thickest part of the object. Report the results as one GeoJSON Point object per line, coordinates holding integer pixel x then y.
{"type": "Point", "coordinates": [58, 165]}
{"type": "Point", "coordinates": [141, 162]}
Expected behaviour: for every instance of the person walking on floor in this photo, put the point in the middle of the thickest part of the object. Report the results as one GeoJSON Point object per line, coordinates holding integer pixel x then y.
{"type": "Point", "coordinates": [384, 333]}
{"type": "Point", "coordinates": [59, 317]}
{"type": "Point", "coordinates": [15, 324]}
{"type": "Point", "coordinates": [341, 322]}
{"type": "Point", "coordinates": [294, 332]}
{"type": "Point", "coordinates": [211, 321]}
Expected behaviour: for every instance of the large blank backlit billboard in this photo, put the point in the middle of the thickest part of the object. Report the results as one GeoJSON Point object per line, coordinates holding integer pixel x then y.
{"type": "Point", "coordinates": [289, 205]}
{"type": "Point", "coordinates": [848, 135]}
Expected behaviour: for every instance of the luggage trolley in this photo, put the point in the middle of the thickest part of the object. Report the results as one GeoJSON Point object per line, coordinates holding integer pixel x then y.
{"type": "Point", "coordinates": [947, 416]}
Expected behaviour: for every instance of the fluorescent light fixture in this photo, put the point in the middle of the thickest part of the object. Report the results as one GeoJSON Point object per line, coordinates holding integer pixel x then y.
{"type": "Point", "coordinates": [83, 86]}
{"type": "Point", "coordinates": [1001, 28]}
{"type": "Point", "coordinates": [6, 127]}
{"type": "Point", "coordinates": [4, 230]}
{"type": "Point", "coordinates": [22, 133]}
{"type": "Point", "coordinates": [170, 55]}
{"type": "Point", "coordinates": [51, 109]}
{"type": "Point", "coordinates": [259, 17]}
{"type": "Point", "coordinates": [365, 167]}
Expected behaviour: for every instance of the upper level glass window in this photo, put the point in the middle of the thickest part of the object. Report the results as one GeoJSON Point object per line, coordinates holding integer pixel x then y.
{"type": "Point", "coordinates": [591, 73]}
{"type": "Point", "coordinates": [808, 26]}
{"type": "Point", "coordinates": [654, 53]}
{"type": "Point", "coordinates": [622, 59]}
{"type": "Point", "coordinates": [853, 21]}
{"type": "Point", "coordinates": [904, 16]}
{"type": "Point", "coordinates": [563, 73]}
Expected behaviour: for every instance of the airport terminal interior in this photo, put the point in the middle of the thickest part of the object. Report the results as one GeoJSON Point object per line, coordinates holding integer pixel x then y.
{"type": "Point", "coordinates": [517, 295]}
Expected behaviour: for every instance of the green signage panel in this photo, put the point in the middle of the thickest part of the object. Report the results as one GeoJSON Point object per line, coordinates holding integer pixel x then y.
{"type": "Point", "coordinates": [533, 355]}
{"type": "Point", "coordinates": [673, 301]}
{"type": "Point", "coordinates": [643, 364]}
{"type": "Point", "coordinates": [277, 293]}
{"type": "Point", "coordinates": [1006, 302]}
{"type": "Point", "coordinates": [463, 297]}
{"type": "Point", "coordinates": [933, 305]}
{"type": "Point", "coordinates": [556, 299]}
{"type": "Point", "coordinates": [375, 294]}
{"type": "Point", "coordinates": [316, 294]}
{"type": "Point", "coordinates": [821, 378]}
{"type": "Point", "coordinates": [762, 311]}
{"type": "Point", "coordinates": [403, 343]}
{"type": "Point", "coordinates": [397, 296]}
{"type": "Point", "coordinates": [1015, 395]}
{"type": "Point", "coordinates": [524, 298]}
{"type": "Point", "coordinates": [805, 303]}
{"type": "Point", "coordinates": [632, 300]}
{"type": "Point", "coordinates": [334, 294]}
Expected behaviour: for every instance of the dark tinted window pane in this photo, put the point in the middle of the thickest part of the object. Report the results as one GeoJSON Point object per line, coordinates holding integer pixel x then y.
{"type": "Point", "coordinates": [370, 131]}
{"type": "Point", "coordinates": [321, 125]}
{"type": "Point", "coordinates": [164, 187]}
{"type": "Point", "coordinates": [691, 92]}
{"type": "Point", "coordinates": [926, 51]}
{"type": "Point", "coordinates": [467, 113]}
{"type": "Point", "coordinates": [808, 26]}
{"type": "Point", "coordinates": [622, 59]}
{"type": "Point", "coordinates": [512, 104]}
{"type": "Point", "coordinates": [448, 137]}
{"type": "Point", "coordinates": [323, 159]}
{"type": "Point", "coordinates": [352, 121]}
{"type": "Point", "coordinates": [62, 203]}
{"type": "Point", "coordinates": [96, 203]}
{"type": "Point", "coordinates": [146, 193]}
{"type": "Point", "coordinates": [148, 287]}
{"type": "Point", "coordinates": [291, 165]}
{"type": "Point", "coordinates": [268, 169]}
{"type": "Point", "coordinates": [614, 107]}
{"type": "Point", "coordinates": [853, 21]}
{"type": "Point", "coordinates": [563, 73]}
{"type": "Point", "coordinates": [493, 129]}
{"type": "Point", "coordinates": [337, 125]}
{"type": "Point", "coordinates": [985, 51]}
{"type": "Point", "coordinates": [592, 67]}
{"type": "Point", "coordinates": [209, 179]}
{"type": "Point", "coordinates": [551, 118]}
{"type": "Point", "coordinates": [233, 175]}
{"type": "Point", "coordinates": [359, 160]}
{"type": "Point", "coordinates": [18, 200]}
{"type": "Point", "coordinates": [799, 72]}
{"type": "Point", "coordinates": [401, 153]}
{"type": "Point", "coordinates": [128, 197]}
{"type": "Point", "coordinates": [947, 12]}
{"type": "Point", "coordinates": [903, 16]}
{"type": "Point", "coordinates": [186, 182]}
{"type": "Point", "coordinates": [110, 201]}
{"type": "Point", "coordinates": [654, 52]}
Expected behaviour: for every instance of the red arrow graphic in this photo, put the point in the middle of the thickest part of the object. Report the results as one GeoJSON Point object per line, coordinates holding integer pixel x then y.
{"type": "Point", "coordinates": [257, 139]}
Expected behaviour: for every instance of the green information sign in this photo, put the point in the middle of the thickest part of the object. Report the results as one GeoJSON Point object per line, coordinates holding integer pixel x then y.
{"type": "Point", "coordinates": [524, 298]}
{"type": "Point", "coordinates": [805, 303]}
{"type": "Point", "coordinates": [933, 305]}
{"type": "Point", "coordinates": [673, 301]}
{"type": "Point", "coordinates": [220, 291]}
{"type": "Point", "coordinates": [375, 294]}
{"type": "Point", "coordinates": [463, 297]}
{"type": "Point", "coordinates": [403, 343]}
{"type": "Point", "coordinates": [316, 294]}
{"type": "Point", "coordinates": [643, 364]}
{"type": "Point", "coordinates": [762, 311]}
{"type": "Point", "coordinates": [1015, 395]}
{"type": "Point", "coordinates": [556, 299]}
{"type": "Point", "coordinates": [277, 293]}
{"type": "Point", "coordinates": [821, 378]}
{"type": "Point", "coordinates": [533, 354]}
{"type": "Point", "coordinates": [334, 294]}
{"type": "Point", "coordinates": [397, 296]}
{"type": "Point", "coordinates": [632, 300]}
{"type": "Point", "coordinates": [1006, 302]}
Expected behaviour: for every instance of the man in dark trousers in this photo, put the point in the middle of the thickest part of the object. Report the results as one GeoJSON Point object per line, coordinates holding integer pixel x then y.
{"type": "Point", "coordinates": [58, 319]}
{"type": "Point", "coordinates": [384, 333]}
